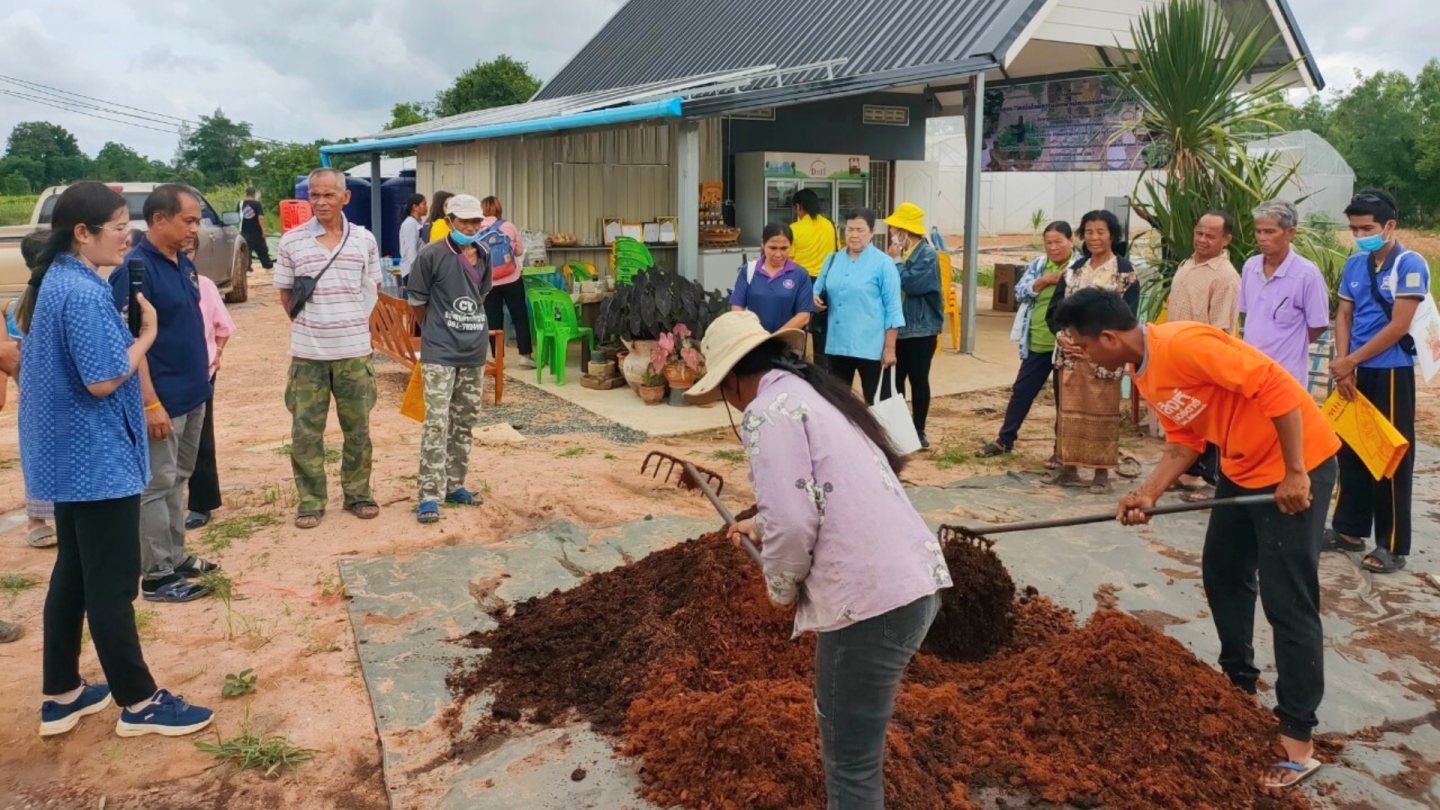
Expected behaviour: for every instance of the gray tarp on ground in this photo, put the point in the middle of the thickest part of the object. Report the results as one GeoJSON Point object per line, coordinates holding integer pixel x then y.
{"type": "Point", "coordinates": [1382, 657]}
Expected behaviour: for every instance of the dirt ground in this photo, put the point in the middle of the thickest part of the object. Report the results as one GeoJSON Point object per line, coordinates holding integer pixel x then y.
{"type": "Point", "coordinates": [287, 621]}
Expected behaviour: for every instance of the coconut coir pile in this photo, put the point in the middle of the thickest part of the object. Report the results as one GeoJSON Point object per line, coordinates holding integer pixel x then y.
{"type": "Point", "coordinates": [683, 656]}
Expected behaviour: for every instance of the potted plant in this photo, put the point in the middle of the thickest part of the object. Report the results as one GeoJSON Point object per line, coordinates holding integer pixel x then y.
{"type": "Point", "coordinates": [652, 387]}
{"type": "Point", "coordinates": [651, 305]}
{"type": "Point", "coordinates": [677, 356]}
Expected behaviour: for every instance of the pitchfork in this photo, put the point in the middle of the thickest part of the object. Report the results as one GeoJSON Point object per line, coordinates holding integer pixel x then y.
{"type": "Point", "coordinates": [979, 534]}
{"type": "Point", "coordinates": [693, 477]}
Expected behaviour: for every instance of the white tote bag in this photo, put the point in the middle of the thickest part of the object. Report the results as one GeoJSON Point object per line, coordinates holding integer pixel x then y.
{"type": "Point", "coordinates": [1424, 327]}
{"type": "Point", "coordinates": [894, 416]}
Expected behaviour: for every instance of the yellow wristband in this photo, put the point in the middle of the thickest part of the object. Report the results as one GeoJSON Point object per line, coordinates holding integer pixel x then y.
{"type": "Point", "coordinates": [152, 406]}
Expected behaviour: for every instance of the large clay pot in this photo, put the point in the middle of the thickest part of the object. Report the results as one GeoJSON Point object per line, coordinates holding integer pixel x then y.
{"type": "Point", "coordinates": [651, 394]}
{"type": "Point", "coordinates": [680, 375]}
{"type": "Point", "coordinates": [637, 361]}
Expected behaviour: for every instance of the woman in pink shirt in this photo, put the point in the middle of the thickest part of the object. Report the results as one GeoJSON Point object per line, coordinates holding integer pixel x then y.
{"type": "Point", "coordinates": [508, 292]}
{"type": "Point", "coordinates": [205, 481]}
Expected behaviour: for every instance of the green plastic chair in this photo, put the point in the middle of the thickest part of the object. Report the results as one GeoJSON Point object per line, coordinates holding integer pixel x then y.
{"type": "Point", "coordinates": [532, 284]}
{"type": "Point", "coordinates": [554, 314]}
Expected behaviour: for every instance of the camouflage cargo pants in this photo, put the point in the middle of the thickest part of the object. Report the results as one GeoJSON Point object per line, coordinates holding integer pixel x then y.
{"type": "Point", "coordinates": [307, 396]}
{"type": "Point", "coordinates": [452, 403]}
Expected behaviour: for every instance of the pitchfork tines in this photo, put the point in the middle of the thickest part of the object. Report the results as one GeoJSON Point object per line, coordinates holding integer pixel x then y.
{"type": "Point", "coordinates": [961, 534]}
{"type": "Point", "coordinates": [714, 479]}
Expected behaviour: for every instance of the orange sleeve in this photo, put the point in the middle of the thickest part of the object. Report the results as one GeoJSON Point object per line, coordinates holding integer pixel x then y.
{"type": "Point", "coordinates": [1214, 358]}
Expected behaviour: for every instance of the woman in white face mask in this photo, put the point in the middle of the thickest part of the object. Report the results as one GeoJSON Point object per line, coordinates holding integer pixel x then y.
{"type": "Point", "coordinates": [923, 305]}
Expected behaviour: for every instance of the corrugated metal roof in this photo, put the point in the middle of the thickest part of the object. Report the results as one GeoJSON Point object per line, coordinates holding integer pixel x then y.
{"type": "Point", "coordinates": [659, 40]}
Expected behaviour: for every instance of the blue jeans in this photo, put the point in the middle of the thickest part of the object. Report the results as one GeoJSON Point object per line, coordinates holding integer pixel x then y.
{"type": "Point", "coordinates": [857, 672]}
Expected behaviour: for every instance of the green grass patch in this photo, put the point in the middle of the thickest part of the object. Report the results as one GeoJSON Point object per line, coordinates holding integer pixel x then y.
{"type": "Point", "coordinates": [732, 456]}
{"type": "Point", "coordinates": [574, 452]}
{"type": "Point", "coordinates": [15, 584]}
{"type": "Point", "coordinates": [16, 210]}
{"type": "Point", "coordinates": [220, 535]}
{"type": "Point", "coordinates": [248, 751]}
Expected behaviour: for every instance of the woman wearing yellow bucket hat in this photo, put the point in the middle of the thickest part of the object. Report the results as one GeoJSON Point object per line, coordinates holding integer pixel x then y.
{"type": "Point", "coordinates": [839, 538]}
{"type": "Point", "coordinates": [923, 305]}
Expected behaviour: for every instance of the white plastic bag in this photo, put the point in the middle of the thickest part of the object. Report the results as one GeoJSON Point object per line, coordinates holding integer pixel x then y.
{"type": "Point", "coordinates": [1017, 329]}
{"type": "Point", "coordinates": [535, 252]}
{"type": "Point", "coordinates": [894, 416]}
{"type": "Point", "coordinates": [1425, 331]}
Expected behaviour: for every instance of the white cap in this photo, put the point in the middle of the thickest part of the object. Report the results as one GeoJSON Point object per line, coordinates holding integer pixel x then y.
{"type": "Point", "coordinates": [464, 206]}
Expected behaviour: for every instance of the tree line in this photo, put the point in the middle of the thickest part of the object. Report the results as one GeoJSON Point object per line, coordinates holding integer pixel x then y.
{"type": "Point", "coordinates": [220, 151]}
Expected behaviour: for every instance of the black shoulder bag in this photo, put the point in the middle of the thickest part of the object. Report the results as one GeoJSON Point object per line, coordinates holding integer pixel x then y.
{"type": "Point", "coordinates": [304, 286]}
{"type": "Point", "coordinates": [1407, 343]}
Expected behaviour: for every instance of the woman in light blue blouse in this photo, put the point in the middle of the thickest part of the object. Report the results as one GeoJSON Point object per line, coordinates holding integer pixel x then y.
{"type": "Point", "coordinates": [860, 288]}
{"type": "Point", "coordinates": [83, 446]}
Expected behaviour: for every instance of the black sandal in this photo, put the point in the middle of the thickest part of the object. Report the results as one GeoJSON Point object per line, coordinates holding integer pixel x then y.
{"type": "Point", "coordinates": [1335, 541]}
{"type": "Point", "coordinates": [1383, 561]}
{"type": "Point", "coordinates": [992, 450]}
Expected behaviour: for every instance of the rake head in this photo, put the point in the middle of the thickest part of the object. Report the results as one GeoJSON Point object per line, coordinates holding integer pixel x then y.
{"type": "Point", "coordinates": [674, 468]}
{"type": "Point", "coordinates": [961, 534]}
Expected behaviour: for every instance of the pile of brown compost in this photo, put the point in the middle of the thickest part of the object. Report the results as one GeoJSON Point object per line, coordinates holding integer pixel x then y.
{"type": "Point", "coordinates": [682, 656]}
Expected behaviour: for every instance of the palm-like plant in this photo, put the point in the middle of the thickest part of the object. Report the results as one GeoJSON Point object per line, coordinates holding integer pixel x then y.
{"type": "Point", "coordinates": [1188, 74]}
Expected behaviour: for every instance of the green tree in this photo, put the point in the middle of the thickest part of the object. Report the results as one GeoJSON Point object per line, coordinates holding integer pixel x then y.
{"type": "Point", "coordinates": [408, 113]}
{"type": "Point", "coordinates": [218, 148]}
{"type": "Point", "coordinates": [1375, 126]}
{"type": "Point", "coordinates": [498, 83]}
{"type": "Point", "coordinates": [118, 163]}
{"type": "Point", "coordinates": [14, 185]}
{"type": "Point", "coordinates": [44, 154]}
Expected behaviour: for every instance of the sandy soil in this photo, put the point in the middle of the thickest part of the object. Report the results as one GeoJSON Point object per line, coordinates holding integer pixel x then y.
{"type": "Point", "coordinates": [288, 622]}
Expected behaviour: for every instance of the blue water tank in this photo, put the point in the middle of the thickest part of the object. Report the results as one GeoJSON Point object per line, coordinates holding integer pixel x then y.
{"type": "Point", "coordinates": [393, 194]}
{"type": "Point", "coordinates": [358, 209]}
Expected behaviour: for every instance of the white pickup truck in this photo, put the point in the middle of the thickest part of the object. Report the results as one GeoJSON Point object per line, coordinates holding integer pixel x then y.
{"type": "Point", "coordinates": [220, 252]}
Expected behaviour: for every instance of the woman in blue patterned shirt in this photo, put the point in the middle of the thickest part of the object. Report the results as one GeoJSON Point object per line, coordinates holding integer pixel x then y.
{"type": "Point", "coordinates": [83, 446]}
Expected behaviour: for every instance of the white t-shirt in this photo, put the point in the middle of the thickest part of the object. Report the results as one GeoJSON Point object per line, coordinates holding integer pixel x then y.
{"type": "Point", "coordinates": [335, 323]}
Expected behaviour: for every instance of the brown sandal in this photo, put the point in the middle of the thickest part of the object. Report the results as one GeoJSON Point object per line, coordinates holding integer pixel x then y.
{"type": "Point", "coordinates": [309, 521]}
{"type": "Point", "coordinates": [365, 510]}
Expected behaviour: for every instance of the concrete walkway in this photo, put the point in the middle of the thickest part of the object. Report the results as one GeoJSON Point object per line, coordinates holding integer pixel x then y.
{"type": "Point", "coordinates": [1381, 659]}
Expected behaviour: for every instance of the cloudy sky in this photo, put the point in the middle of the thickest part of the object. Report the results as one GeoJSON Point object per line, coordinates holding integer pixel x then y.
{"type": "Point", "coordinates": [301, 70]}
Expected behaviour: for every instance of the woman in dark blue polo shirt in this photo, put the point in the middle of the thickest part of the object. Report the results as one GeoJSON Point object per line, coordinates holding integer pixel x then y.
{"type": "Point", "coordinates": [83, 446]}
{"type": "Point", "coordinates": [776, 289]}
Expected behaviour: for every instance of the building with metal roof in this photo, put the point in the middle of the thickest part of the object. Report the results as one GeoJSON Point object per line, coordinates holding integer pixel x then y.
{"type": "Point", "coordinates": [733, 94]}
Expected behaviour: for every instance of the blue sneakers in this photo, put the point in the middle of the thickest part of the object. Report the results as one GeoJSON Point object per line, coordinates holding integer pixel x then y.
{"type": "Point", "coordinates": [58, 718]}
{"type": "Point", "coordinates": [167, 715]}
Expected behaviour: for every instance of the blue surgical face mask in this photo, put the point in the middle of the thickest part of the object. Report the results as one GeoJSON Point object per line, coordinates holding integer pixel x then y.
{"type": "Point", "coordinates": [1370, 244]}
{"type": "Point", "coordinates": [463, 240]}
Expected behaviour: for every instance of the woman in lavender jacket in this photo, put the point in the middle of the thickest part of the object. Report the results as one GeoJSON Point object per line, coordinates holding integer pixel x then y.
{"type": "Point", "coordinates": [838, 536]}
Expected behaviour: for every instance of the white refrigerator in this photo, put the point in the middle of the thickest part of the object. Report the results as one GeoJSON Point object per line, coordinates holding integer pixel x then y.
{"type": "Point", "coordinates": [765, 182]}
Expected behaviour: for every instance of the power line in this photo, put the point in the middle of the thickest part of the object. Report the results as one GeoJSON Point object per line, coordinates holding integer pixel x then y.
{"type": "Point", "coordinates": [51, 92]}
{"type": "Point", "coordinates": [83, 112]}
{"type": "Point", "coordinates": [44, 98]}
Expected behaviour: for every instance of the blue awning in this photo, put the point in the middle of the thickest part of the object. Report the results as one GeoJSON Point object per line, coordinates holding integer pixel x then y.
{"type": "Point", "coordinates": [668, 108]}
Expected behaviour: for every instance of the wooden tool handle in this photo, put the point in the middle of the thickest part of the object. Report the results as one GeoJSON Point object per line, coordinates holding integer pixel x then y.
{"type": "Point", "coordinates": [724, 512]}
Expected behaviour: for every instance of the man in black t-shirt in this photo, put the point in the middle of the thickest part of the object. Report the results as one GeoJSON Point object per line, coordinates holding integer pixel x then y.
{"type": "Point", "coordinates": [252, 226]}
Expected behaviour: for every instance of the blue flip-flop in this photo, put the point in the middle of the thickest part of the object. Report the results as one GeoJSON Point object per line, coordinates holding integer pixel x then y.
{"type": "Point", "coordinates": [181, 590]}
{"type": "Point", "coordinates": [1306, 769]}
{"type": "Point", "coordinates": [428, 512]}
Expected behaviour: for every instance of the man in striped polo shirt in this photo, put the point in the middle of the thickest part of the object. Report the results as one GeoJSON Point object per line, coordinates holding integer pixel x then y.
{"type": "Point", "coordinates": [330, 347]}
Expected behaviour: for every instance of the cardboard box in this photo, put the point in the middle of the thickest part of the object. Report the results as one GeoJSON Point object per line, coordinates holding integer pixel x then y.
{"type": "Point", "coordinates": [1005, 277]}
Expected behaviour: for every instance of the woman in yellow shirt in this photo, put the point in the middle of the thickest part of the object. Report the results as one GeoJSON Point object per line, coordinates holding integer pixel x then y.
{"type": "Point", "coordinates": [815, 239]}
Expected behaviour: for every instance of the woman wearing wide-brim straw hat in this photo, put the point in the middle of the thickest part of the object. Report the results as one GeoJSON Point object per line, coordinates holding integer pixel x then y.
{"type": "Point", "coordinates": [839, 538]}
{"type": "Point", "coordinates": [922, 302]}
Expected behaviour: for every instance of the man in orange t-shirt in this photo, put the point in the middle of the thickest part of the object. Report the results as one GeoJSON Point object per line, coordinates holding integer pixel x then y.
{"type": "Point", "coordinates": [1206, 386]}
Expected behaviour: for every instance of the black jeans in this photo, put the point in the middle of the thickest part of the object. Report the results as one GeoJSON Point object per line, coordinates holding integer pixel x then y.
{"type": "Point", "coordinates": [1035, 369]}
{"type": "Point", "coordinates": [857, 672]}
{"type": "Point", "coordinates": [512, 297]}
{"type": "Point", "coordinates": [259, 247]}
{"type": "Point", "coordinates": [818, 321]}
{"type": "Point", "coordinates": [1382, 505]}
{"type": "Point", "coordinates": [96, 578]}
{"type": "Point", "coordinates": [1285, 551]}
{"type": "Point", "coordinates": [912, 361]}
{"type": "Point", "coordinates": [844, 369]}
{"type": "Point", "coordinates": [205, 481]}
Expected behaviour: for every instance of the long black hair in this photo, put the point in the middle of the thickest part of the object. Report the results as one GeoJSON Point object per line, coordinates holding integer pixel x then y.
{"type": "Point", "coordinates": [807, 201]}
{"type": "Point", "coordinates": [437, 209]}
{"type": "Point", "coordinates": [410, 203]}
{"type": "Point", "coordinates": [775, 229]}
{"type": "Point", "coordinates": [774, 354]}
{"type": "Point", "coordinates": [90, 204]}
{"type": "Point", "coordinates": [1117, 236]}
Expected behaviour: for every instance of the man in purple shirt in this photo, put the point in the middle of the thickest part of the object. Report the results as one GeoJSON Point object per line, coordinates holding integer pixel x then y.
{"type": "Point", "coordinates": [1282, 294]}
